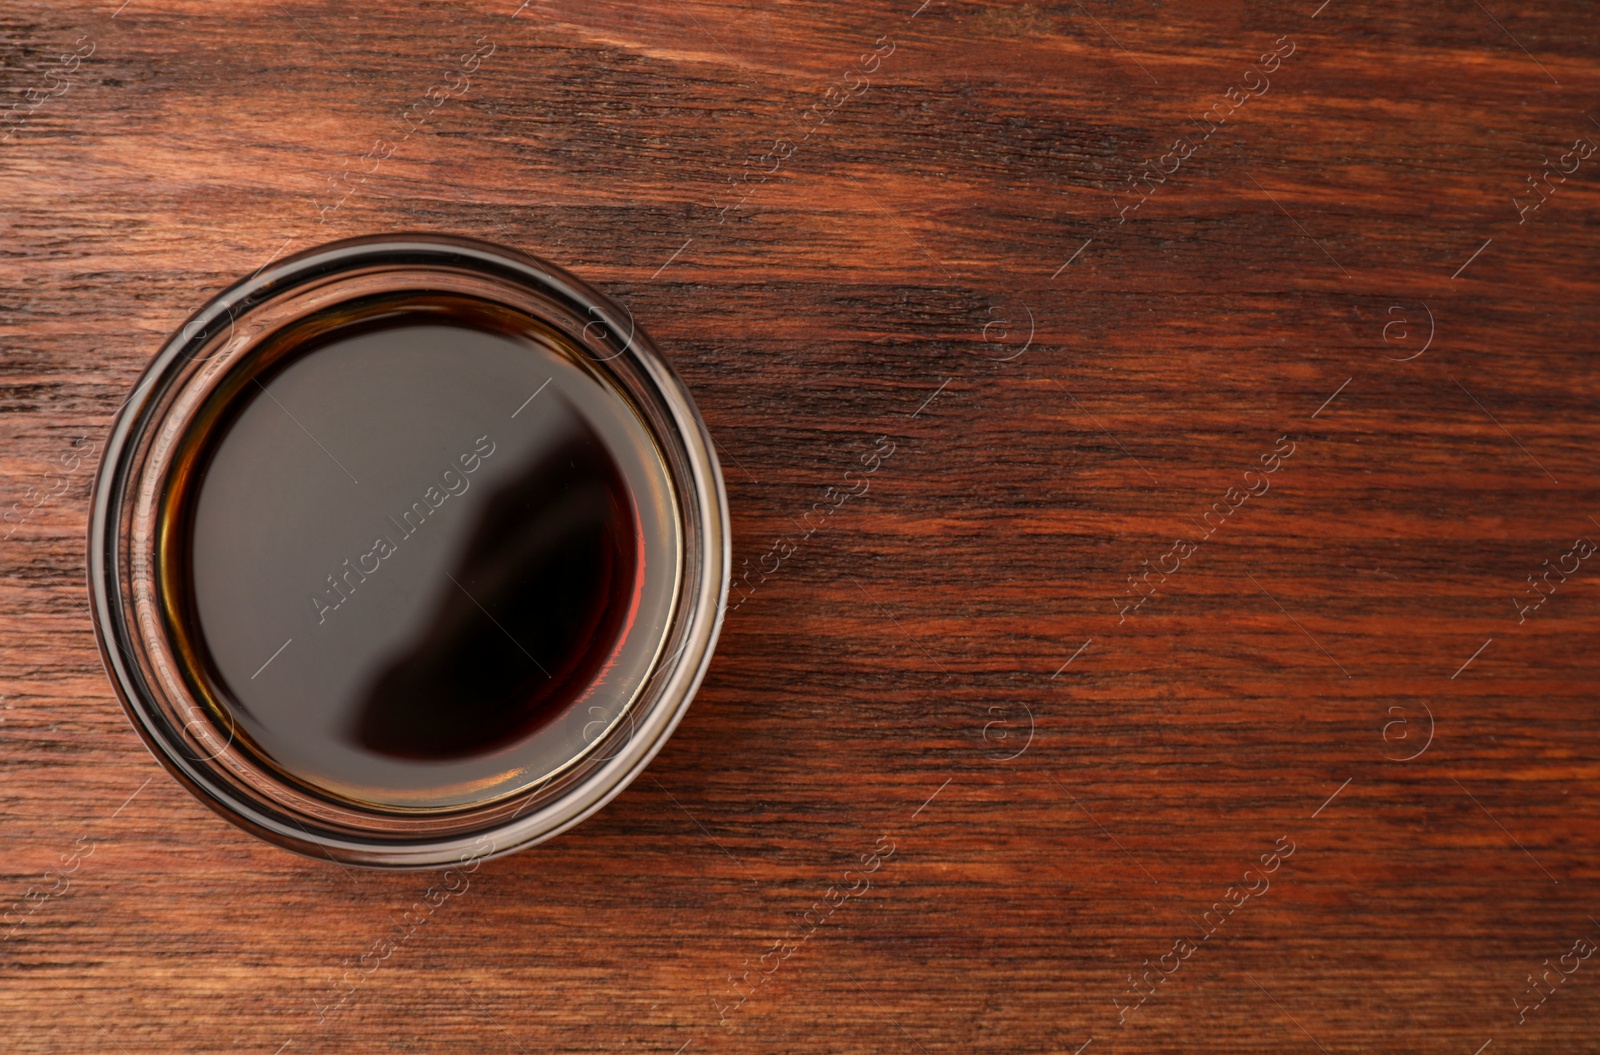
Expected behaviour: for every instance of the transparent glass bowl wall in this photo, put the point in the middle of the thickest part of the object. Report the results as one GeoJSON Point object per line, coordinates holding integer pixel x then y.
{"type": "Point", "coordinates": [124, 563]}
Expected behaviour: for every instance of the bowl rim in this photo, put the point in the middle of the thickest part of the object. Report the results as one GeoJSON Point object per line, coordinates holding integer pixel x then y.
{"type": "Point", "coordinates": [699, 607]}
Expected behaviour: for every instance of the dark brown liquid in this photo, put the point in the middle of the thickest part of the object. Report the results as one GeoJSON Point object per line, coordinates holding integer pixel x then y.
{"type": "Point", "coordinates": [425, 554]}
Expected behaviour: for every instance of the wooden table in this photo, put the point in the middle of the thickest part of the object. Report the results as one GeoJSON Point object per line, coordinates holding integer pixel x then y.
{"type": "Point", "coordinates": [1236, 362]}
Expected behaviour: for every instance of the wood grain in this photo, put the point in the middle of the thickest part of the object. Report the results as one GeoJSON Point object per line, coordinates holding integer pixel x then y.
{"type": "Point", "coordinates": [905, 673]}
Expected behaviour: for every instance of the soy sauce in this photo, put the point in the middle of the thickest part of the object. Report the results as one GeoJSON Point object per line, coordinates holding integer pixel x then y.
{"type": "Point", "coordinates": [421, 551]}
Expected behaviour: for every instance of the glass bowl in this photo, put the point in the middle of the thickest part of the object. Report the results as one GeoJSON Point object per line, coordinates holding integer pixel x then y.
{"type": "Point", "coordinates": [185, 713]}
